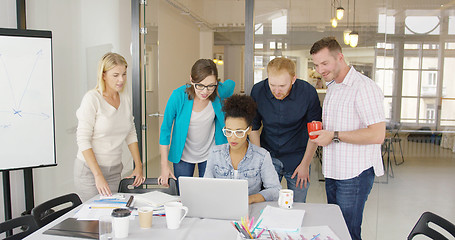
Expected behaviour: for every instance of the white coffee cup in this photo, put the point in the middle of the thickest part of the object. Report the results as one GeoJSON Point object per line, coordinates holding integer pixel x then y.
{"type": "Point", "coordinates": [286, 198]}
{"type": "Point", "coordinates": [175, 213]}
{"type": "Point", "coordinates": [121, 222]}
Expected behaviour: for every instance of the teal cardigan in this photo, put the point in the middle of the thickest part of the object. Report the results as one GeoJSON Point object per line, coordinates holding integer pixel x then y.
{"type": "Point", "coordinates": [178, 113]}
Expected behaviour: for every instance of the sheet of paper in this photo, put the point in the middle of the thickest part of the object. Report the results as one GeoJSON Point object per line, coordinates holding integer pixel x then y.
{"type": "Point", "coordinates": [279, 219]}
{"type": "Point", "coordinates": [156, 198]}
{"type": "Point", "coordinates": [308, 233]}
{"type": "Point", "coordinates": [95, 209]}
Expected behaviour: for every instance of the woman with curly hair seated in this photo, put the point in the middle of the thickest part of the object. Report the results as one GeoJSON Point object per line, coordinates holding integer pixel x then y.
{"type": "Point", "coordinates": [240, 159]}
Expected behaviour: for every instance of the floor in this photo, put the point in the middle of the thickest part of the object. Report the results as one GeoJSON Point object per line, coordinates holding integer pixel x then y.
{"type": "Point", "coordinates": [424, 182]}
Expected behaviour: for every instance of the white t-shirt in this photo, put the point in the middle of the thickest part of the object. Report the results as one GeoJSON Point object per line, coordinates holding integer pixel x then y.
{"type": "Point", "coordinates": [103, 128]}
{"type": "Point", "coordinates": [201, 135]}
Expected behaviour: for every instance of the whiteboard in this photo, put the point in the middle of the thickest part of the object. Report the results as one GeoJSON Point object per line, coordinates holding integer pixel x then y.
{"type": "Point", "coordinates": [27, 133]}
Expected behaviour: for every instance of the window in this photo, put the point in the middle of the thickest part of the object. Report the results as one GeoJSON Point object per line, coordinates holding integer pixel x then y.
{"type": "Point", "coordinates": [422, 25]}
{"type": "Point", "coordinates": [432, 79]}
{"type": "Point", "coordinates": [430, 113]}
{"type": "Point", "coordinates": [386, 24]}
{"type": "Point", "coordinates": [279, 25]}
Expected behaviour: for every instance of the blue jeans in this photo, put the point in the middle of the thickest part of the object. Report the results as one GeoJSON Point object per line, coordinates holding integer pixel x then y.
{"type": "Point", "coordinates": [351, 195]}
{"type": "Point", "coordinates": [299, 193]}
{"type": "Point", "coordinates": [186, 169]}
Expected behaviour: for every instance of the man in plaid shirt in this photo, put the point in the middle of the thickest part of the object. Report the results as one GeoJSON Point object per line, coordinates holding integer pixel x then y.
{"type": "Point", "coordinates": [353, 131]}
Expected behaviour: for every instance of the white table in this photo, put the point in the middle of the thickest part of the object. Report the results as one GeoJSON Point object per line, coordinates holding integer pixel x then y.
{"type": "Point", "coordinates": [200, 229]}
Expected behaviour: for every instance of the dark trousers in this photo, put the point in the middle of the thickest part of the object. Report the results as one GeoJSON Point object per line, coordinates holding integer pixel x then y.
{"type": "Point", "coordinates": [351, 195]}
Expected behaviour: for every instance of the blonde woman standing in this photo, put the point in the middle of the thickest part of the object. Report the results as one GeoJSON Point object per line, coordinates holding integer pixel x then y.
{"type": "Point", "coordinates": [105, 122]}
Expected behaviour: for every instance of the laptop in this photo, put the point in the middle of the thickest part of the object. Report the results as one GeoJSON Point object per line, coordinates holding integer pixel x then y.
{"type": "Point", "coordinates": [214, 197]}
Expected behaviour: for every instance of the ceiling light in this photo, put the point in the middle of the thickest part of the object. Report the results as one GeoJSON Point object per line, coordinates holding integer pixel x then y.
{"type": "Point", "coordinates": [353, 39]}
{"type": "Point", "coordinates": [340, 13]}
{"type": "Point", "coordinates": [346, 36]}
{"type": "Point", "coordinates": [334, 22]}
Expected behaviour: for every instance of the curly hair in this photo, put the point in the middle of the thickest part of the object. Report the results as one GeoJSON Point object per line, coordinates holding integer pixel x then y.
{"type": "Point", "coordinates": [240, 106]}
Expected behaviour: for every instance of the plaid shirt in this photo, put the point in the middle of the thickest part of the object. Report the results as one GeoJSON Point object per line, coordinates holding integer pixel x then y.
{"type": "Point", "coordinates": [355, 103]}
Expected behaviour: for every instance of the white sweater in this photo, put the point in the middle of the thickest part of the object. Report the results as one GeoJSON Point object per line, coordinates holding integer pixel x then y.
{"type": "Point", "coordinates": [104, 128]}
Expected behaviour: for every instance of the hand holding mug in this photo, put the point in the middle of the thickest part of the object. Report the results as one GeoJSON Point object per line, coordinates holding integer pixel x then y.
{"type": "Point", "coordinates": [314, 126]}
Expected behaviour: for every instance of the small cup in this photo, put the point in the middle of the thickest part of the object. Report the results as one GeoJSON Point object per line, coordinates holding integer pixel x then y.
{"type": "Point", "coordinates": [242, 237]}
{"type": "Point", "coordinates": [314, 126]}
{"type": "Point", "coordinates": [105, 227]}
{"type": "Point", "coordinates": [175, 213]}
{"type": "Point", "coordinates": [286, 198]}
{"type": "Point", "coordinates": [121, 222]}
{"type": "Point", "coordinates": [145, 217]}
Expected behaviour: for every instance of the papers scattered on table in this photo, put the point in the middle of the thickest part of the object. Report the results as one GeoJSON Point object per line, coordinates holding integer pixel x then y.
{"type": "Point", "coordinates": [97, 208]}
{"type": "Point", "coordinates": [156, 198]}
{"type": "Point", "coordinates": [308, 233]}
{"type": "Point", "coordinates": [114, 196]}
{"type": "Point", "coordinates": [279, 219]}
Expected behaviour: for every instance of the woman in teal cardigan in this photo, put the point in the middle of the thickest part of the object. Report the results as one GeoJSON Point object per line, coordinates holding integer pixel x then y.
{"type": "Point", "coordinates": [195, 124]}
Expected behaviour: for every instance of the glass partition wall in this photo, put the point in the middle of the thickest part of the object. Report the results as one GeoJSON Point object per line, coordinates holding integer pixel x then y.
{"type": "Point", "coordinates": [408, 50]}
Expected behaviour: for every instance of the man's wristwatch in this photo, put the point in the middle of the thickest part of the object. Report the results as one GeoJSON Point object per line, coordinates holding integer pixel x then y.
{"type": "Point", "coordinates": [335, 138]}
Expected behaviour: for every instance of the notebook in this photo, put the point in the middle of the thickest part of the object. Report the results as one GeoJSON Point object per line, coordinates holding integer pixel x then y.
{"type": "Point", "coordinates": [71, 227]}
{"type": "Point", "coordinates": [155, 198]}
{"type": "Point", "coordinates": [280, 219]}
{"type": "Point", "coordinates": [214, 197]}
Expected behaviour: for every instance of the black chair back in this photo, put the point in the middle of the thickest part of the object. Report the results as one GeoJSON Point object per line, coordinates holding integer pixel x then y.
{"type": "Point", "coordinates": [150, 184]}
{"type": "Point", "coordinates": [27, 225]}
{"type": "Point", "coordinates": [45, 212]}
{"type": "Point", "coordinates": [422, 227]}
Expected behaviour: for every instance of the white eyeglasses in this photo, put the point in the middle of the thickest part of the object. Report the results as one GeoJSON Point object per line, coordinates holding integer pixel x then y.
{"type": "Point", "coordinates": [237, 133]}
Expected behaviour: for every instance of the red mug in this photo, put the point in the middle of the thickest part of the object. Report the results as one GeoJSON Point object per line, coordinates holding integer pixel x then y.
{"type": "Point", "coordinates": [314, 126]}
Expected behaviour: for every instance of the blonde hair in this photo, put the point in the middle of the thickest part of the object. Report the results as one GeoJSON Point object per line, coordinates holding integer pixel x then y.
{"type": "Point", "coordinates": [108, 62]}
{"type": "Point", "coordinates": [278, 64]}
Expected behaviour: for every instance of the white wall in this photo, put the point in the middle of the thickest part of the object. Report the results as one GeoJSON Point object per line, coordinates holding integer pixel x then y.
{"type": "Point", "coordinates": [178, 50]}
{"type": "Point", "coordinates": [233, 60]}
{"type": "Point", "coordinates": [206, 45]}
{"type": "Point", "coordinates": [77, 26]}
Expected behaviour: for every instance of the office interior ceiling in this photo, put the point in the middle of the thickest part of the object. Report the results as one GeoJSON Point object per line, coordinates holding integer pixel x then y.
{"type": "Point", "coordinates": [307, 19]}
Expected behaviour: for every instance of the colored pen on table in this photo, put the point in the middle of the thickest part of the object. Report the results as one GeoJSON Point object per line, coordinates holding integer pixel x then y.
{"type": "Point", "coordinates": [244, 233]}
{"type": "Point", "coordinates": [290, 238]}
{"type": "Point", "coordinates": [102, 207]}
{"type": "Point", "coordinates": [251, 224]}
{"type": "Point", "coordinates": [249, 234]}
{"type": "Point", "coordinates": [259, 235]}
{"type": "Point", "coordinates": [130, 201]}
{"type": "Point", "coordinates": [235, 226]}
{"type": "Point", "coordinates": [109, 201]}
{"type": "Point", "coordinates": [257, 225]}
{"type": "Point", "coordinates": [316, 236]}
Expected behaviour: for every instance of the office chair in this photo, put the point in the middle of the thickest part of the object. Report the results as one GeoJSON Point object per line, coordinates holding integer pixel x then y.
{"type": "Point", "coordinates": [150, 184]}
{"type": "Point", "coordinates": [27, 225]}
{"type": "Point", "coordinates": [422, 227]}
{"type": "Point", "coordinates": [45, 212]}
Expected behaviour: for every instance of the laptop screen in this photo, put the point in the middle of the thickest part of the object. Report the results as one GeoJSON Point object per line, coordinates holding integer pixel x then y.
{"type": "Point", "coordinates": [214, 197]}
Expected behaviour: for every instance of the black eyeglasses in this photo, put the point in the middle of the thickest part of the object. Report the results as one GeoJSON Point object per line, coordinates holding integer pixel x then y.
{"type": "Point", "coordinates": [201, 87]}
